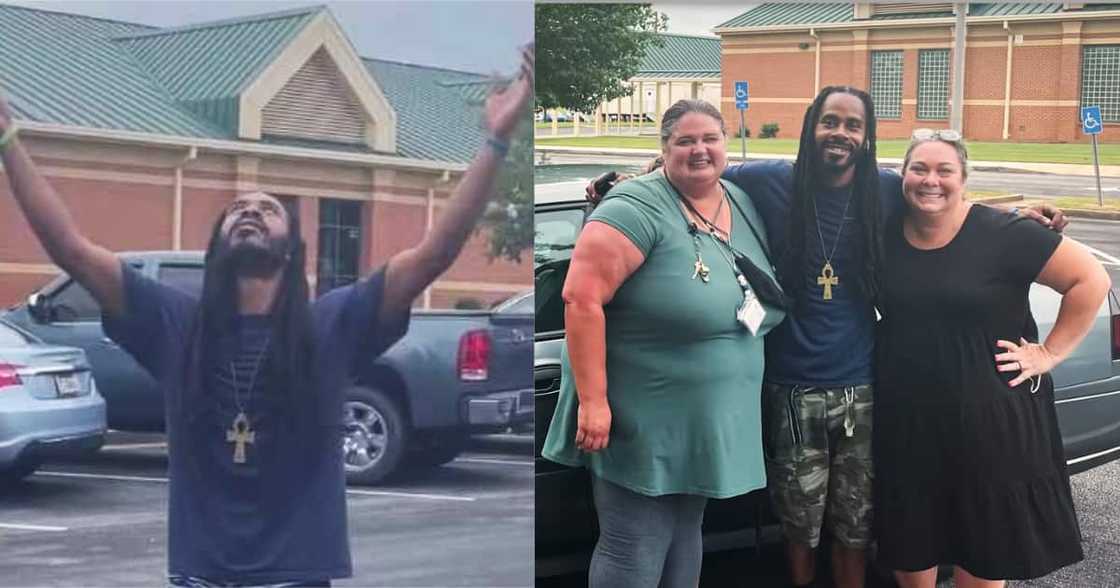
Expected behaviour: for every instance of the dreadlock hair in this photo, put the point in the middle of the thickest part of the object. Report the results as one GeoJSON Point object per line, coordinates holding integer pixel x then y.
{"type": "Point", "coordinates": [291, 349]}
{"type": "Point", "coordinates": [806, 179]}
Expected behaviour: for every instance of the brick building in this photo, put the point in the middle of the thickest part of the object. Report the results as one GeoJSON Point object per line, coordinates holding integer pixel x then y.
{"type": "Point", "coordinates": [681, 66]}
{"type": "Point", "coordinates": [148, 133]}
{"type": "Point", "coordinates": [1028, 67]}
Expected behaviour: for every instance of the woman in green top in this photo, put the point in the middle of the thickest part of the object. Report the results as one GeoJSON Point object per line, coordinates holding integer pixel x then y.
{"type": "Point", "coordinates": [663, 365]}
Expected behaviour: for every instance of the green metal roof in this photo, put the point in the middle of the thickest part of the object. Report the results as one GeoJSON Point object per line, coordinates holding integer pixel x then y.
{"type": "Point", "coordinates": [781, 13]}
{"type": "Point", "coordinates": [206, 67]}
{"type": "Point", "coordinates": [678, 55]}
{"type": "Point", "coordinates": [437, 112]}
{"type": "Point", "coordinates": [789, 14]}
{"type": "Point", "coordinates": [76, 70]}
{"type": "Point", "coordinates": [65, 69]}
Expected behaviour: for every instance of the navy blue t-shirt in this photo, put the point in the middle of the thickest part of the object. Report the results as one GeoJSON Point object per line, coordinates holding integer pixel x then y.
{"type": "Point", "coordinates": [281, 515]}
{"type": "Point", "coordinates": [822, 342]}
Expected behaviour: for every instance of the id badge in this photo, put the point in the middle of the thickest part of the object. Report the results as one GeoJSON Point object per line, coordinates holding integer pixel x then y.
{"type": "Point", "coordinates": [750, 313]}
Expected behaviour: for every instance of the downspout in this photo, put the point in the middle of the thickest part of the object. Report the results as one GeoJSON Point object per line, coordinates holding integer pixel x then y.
{"type": "Point", "coordinates": [429, 220]}
{"type": "Point", "coordinates": [817, 64]}
{"type": "Point", "coordinates": [1007, 84]}
{"type": "Point", "coordinates": [177, 208]}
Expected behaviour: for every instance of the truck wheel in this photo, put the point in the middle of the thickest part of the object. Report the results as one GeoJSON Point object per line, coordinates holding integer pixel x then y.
{"type": "Point", "coordinates": [18, 471]}
{"type": "Point", "coordinates": [442, 449]}
{"type": "Point", "coordinates": [374, 436]}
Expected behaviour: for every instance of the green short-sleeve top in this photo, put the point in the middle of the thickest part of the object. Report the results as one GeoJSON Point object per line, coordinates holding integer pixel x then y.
{"type": "Point", "coordinates": [683, 376]}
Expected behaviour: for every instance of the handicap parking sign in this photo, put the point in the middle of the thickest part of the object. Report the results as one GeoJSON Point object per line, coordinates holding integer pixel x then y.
{"type": "Point", "coordinates": [1091, 120]}
{"type": "Point", "coordinates": [741, 95]}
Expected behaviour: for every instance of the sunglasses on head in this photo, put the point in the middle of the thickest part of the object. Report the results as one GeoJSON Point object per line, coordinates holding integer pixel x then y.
{"type": "Point", "coordinates": [933, 134]}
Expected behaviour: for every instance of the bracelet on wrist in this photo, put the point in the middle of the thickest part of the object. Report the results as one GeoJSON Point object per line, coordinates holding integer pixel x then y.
{"type": "Point", "coordinates": [500, 146]}
{"type": "Point", "coordinates": [8, 136]}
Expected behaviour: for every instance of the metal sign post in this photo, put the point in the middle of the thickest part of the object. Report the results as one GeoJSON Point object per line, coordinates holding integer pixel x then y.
{"type": "Point", "coordinates": [742, 95]}
{"type": "Point", "coordinates": [1091, 125]}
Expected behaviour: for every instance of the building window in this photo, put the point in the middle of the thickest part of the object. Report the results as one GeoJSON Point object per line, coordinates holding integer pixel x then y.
{"type": "Point", "coordinates": [886, 83]}
{"type": "Point", "coordinates": [933, 84]}
{"type": "Point", "coordinates": [1100, 80]}
{"type": "Point", "coordinates": [340, 243]}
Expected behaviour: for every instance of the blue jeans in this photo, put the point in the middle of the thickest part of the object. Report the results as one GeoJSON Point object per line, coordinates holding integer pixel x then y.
{"type": "Point", "coordinates": [646, 541]}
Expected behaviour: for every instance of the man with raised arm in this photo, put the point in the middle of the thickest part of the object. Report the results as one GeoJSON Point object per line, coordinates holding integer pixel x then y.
{"type": "Point", "coordinates": [253, 373]}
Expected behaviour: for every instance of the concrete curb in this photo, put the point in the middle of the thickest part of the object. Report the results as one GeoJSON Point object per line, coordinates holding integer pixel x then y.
{"type": "Point", "coordinates": [1111, 215]}
{"type": "Point", "coordinates": [1107, 171]}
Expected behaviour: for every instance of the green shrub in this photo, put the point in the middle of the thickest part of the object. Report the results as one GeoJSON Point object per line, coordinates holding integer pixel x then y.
{"type": "Point", "coordinates": [768, 131]}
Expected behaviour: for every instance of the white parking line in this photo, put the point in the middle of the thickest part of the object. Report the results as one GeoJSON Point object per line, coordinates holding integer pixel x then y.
{"type": "Point", "coordinates": [101, 477]}
{"type": "Point", "coordinates": [410, 495]}
{"type": "Point", "coordinates": [500, 462]}
{"type": "Point", "coordinates": [1101, 254]}
{"type": "Point", "coordinates": [19, 527]}
{"type": "Point", "coordinates": [126, 446]}
{"type": "Point", "coordinates": [348, 490]}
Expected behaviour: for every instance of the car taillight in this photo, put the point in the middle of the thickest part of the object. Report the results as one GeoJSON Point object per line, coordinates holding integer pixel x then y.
{"type": "Point", "coordinates": [1116, 336]}
{"type": "Point", "coordinates": [474, 355]}
{"type": "Point", "coordinates": [9, 375]}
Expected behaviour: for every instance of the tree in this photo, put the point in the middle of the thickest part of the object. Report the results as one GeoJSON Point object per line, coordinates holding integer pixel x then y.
{"type": "Point", "coordinates": [585, 52]}
{"type": "Point", "coordinates": [510, 218]}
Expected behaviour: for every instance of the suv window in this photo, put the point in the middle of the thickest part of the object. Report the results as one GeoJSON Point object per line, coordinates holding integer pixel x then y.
{"type": "Point", "coordinates": [187, 278]}
{"type": "Point", "coordinates": [556, 232]}
{"type": "Point", "coordinates": [73, 303]}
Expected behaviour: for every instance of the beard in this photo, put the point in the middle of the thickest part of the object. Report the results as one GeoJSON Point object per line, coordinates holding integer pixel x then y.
{"type": "Point", "coordinates": [251, 259]}
{"type": "Point", "coordinates": [833, 165]}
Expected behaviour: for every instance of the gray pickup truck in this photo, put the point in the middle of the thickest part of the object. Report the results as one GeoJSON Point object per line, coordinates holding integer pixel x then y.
{"type": "Point", "coordinates": [455, 373]}
{"type": "Point", "coordinates": [1087, 391]}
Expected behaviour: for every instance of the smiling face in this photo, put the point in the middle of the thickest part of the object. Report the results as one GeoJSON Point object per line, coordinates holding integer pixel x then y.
{"type": "Point", "coordinates": [696, 150]}
{"type": "Point", "coordinates": [933, 178]}
{"type": "Point", "coordinates": [254, 233]}
{"type": "Point", "coordinates": [840, 133]}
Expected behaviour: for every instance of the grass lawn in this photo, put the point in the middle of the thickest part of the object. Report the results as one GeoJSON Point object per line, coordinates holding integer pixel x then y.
{"type": "Point", "coordinates": [979, 151]}
{"type": "Point", "coordinates": [544, 126]}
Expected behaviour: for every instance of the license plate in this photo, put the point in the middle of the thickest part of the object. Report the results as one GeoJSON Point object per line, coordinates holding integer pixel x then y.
{"type": "Point", "coordinates": [67, 385]}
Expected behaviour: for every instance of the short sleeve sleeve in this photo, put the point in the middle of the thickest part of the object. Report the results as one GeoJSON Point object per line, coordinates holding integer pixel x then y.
{"type": "Point", "coordinates": [347, 318]}
{"type": "Point", "coordinates": [155, 320]}
{"type": "Point", "coordinates": [1026, 247]}
{"type": "Point", "coordinates": [632, 216]}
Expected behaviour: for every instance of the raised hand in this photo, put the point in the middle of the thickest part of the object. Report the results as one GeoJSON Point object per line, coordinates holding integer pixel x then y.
{"type": "Point", "coordinates": [505, 108]}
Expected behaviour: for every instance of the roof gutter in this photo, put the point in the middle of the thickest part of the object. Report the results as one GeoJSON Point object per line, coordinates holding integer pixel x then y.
{"type": "Point", "coordinates": [238, 147]}
{"type": "Point", "coordinates": [919, 22]}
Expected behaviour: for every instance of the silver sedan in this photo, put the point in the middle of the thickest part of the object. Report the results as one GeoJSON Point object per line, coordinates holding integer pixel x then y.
{"type": "Point", "coordinates": [49, 405]}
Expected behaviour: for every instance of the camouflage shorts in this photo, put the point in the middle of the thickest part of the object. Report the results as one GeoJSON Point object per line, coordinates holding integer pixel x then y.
{"type": "Point", "coordinates": [818, 473]}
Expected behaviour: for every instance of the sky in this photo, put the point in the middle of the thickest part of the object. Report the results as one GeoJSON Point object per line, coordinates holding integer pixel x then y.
{"type": "Point", "coordinates": [698, 18]}
{"type": "Point", "coordinates": [472, 35]}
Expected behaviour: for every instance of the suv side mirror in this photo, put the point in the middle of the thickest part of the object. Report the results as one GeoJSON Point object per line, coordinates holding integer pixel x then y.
{"type": "Point", "coordinates": [38, 306]}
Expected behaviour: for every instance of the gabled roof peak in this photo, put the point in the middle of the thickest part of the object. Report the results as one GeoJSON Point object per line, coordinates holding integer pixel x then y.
{"type": "Point", "coordinates": [215, 24]}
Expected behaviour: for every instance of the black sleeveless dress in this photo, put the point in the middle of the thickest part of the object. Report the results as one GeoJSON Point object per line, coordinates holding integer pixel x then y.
{"type": "Point", "coordinates": [968, 470]}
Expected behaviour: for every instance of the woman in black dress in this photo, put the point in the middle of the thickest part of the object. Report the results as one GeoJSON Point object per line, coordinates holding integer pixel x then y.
{"type": "Point", "coordinates": [968, 457]}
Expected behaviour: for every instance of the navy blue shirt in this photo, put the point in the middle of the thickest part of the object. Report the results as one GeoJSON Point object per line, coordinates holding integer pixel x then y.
{"type": "Point", "coordinates": [822, 342]}
{"type": "Point", "coordinates": [281, 515]}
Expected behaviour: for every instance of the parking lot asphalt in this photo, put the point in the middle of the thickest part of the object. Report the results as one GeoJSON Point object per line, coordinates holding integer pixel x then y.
{"type": "Point", "coordinates": [1095, 495]}
{"type": "Point", "coordinates": [101, 521]}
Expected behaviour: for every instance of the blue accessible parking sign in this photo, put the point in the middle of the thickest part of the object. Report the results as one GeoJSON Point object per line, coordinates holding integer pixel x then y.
{"type": "Point", "coordinates": [1091, 120]}
{"type": "Point", "coordinates": [742, 94]}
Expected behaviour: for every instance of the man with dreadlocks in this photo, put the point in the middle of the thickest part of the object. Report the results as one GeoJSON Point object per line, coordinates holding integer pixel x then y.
{"type": "Point", "coordinates": [824, 215]}
{"type": "Point", "coordinates": [253, 373]}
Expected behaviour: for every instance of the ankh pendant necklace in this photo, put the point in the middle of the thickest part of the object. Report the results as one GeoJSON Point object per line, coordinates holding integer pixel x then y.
{"type": "Point", "coordinates": [699, 268]}
{"type": "Point", "coordinates": [241, 430]}
{"type": "Point", "coordinates": [828, 277]}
